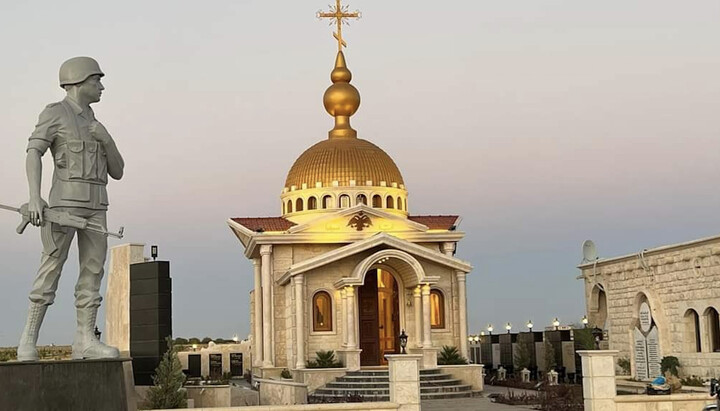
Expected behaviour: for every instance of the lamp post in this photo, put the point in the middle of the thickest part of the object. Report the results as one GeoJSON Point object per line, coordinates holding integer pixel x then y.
{"type": "Point", "coordinates": [508, 327]}
{"type": "Point", "coordinates": [154, 252]}
{"type": "Point", "coordinates": [489, 329]}
{"type": "Point", "coordinates": [597, 334]}
{"type": "Point", "coordinates": [556, 323]}
{"type": "Point", "coordinates": [529, 325]}
{"type": "Point", "coordinates": [585, 321]}
{"type": "Point", "coordinates": [403, 342]}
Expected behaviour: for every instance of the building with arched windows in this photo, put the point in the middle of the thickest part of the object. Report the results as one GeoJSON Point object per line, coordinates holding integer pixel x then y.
{"type": "Point", "coordinates": [660, 302]}
{"type": "Point", "coordinates": [346, 266]}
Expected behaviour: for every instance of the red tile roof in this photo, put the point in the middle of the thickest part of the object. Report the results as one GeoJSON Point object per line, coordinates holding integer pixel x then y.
{"type": "Point", "coordinates": [436, 222]}
{"type": "Point", "coordinates": [265, 223]}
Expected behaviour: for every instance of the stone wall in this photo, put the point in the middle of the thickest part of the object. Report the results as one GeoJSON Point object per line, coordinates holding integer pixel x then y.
{"type": "Point", "coordinates": [674, 279]}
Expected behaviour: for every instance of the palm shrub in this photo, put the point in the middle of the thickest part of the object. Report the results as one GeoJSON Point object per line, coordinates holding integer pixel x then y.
{"type": "Point", "coordinates": [167, 390]}
{"type": "Point", "coordinates": [584, 338]}
{"type": "Point", "coordinates": [325, 359]}
{"type": "Point", "coordinates": [670, 364]}
{"type": "Point", "coordinates": [450, 356]}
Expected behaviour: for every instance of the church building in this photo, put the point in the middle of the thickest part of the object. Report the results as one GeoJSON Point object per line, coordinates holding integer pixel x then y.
{"type": "Point", "coordinates": [346, 266]}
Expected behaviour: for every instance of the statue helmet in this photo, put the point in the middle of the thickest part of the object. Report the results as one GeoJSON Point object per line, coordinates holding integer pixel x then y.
{"type": "Point", "coordinates": [78, 69]}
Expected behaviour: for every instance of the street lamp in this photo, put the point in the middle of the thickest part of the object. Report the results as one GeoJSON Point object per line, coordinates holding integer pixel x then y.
{"type": "Point", "coordinates": [597, 334]}
{"type": "Point", "coordinates": [154, 252]}
{"type": "Point", "coordinates": [490, 329]}
{"type": "Point", "coordinates": [508, 327]}
{"type": "Point", "coordinates": [403, 342]}
{"type": "Point", "coordinates": [529, 325]}
{"type": "Point", "coordinates": [194, 347]}
{"type": "Point", "coordinates": [556, 323]}
{"type": "Point", "coordinates": [476, 339]}
{"type": "Point", "coordinates": [585, 321]}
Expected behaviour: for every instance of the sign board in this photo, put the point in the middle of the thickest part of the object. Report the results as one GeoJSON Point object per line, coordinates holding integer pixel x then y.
{"type": "Point", "coordinates": [645, 317]}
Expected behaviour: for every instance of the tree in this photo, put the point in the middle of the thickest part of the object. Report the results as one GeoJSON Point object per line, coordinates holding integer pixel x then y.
{"type": "Point", "coordinates": [206, 340]}
{"type": "Point", "coordinates": [450, 356]}
{"type": "Point", "coordinates": [181, 341]}
{"type": "Point", "coordinates": [523, 355]}
{"type": "Point", "coordinates": [167, 392]}
{"type": "Point", "coordinates": [550, 361]}
{"type": "Point", "coordinates": [584, 338]}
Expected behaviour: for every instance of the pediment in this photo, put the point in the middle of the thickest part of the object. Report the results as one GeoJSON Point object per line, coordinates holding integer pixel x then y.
{"type": "Point", "coordinates": [360, 218]}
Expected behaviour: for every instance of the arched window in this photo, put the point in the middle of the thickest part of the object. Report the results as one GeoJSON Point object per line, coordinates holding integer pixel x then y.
{"type": "Point", "coordinates": [284, 208]}
{"type": "Point", "coordinates": [712, 324]}
{"type": "Point", "coordinates": [361, 199]}
{"type": "Point", "coordinates": [344, 201]}
{"type": "Point", "coordinates": [289, 206]}
{"type": "Point", "coordinates": [312, 203]}
{"type": "Point", "coordinates": [437, 309]}
{"type": "Point", "coordinates": [399, 203]}
{"type": "Point", "coordinates": [322, 312]}
{"type": "Point", "coordinates": [299, 204]}
{"type": "Point", "coordinates": [377, 201]}
{"type": "Point", "coordinates": [691, 335]}
{"type": "Point", "coordinates": [327, 202]}
{"type": "Point", "coordinates": [390, 202]}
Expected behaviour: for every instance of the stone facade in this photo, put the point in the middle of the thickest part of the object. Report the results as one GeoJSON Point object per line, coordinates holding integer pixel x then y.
{"type": "Point", "coordinates": [681, 285]}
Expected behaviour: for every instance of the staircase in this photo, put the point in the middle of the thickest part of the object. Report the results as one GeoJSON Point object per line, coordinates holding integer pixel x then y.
{"type": "Point", "coordinates": [375, 386]}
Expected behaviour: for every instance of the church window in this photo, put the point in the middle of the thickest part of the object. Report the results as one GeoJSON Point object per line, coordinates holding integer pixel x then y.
{"type": "Point", "coordinates": [299, 204]}
{"type": "Point", "coordinates": [344, 201]}
{"type": "Point", "coordinates": [361, 199]}
{"type": "Point", "coordinates": [377, 201]}
{"type": "Point", "coordinates": [692, 331]}
{"type": "Point", "coordinates": [713, 327]}
{"type": "Point", "coordinates": [312, 203]}
{"type": "Point", "coordinates": [399, 203]}
{"type": "Point", "coordinates": [390, 202]}
{"type": "Point", "coordinates": [437, 309]}
{"type": "Point", "coordinates": [284, 208]}
{"type": "Point", "coordinates": [327, 202]}
{"type": "Point", "coordinates": [322, 312]}
{"type": "Point", "coordinates": [289, 206]}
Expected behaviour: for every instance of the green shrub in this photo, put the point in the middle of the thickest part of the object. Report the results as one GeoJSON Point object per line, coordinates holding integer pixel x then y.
{"type": "Point", "coordinates": [624, 364]}
{"type": "Point", "coordinates": [450, 356]}
{"type": "Point", "coordinates": [285, 374]}
{"type": "Point", "coordinates": [325, 359]}
{"type": "Point", "coordinates": [584, 338]}
{"type": "Point", "coordinates": [670, 364]}
{"type": "Point", "coordinates": [693, 381]}
{"type": "Point", "coordinates": [167, 390]}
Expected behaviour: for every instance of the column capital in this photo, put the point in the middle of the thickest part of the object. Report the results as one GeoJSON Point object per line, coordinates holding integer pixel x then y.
{"type": "Point", "coordinates": [299, 279]}
{"type": "Point", "coordinates": [343, 293]}
{"type": "Point", "coordinates": [426, 289]}
{"type": "Point", "coordinates": [266, 249]}
{"type": "Point", "coordinates": [350, 291]}
{"type": "Point", "coordinates": [417, 292]}
{"type": "Point", "coordinates": [461, 276]}
{"type": "Point", "coordinates": [448, 248]}
{"type": "Point", "coordinates": [256, 262]}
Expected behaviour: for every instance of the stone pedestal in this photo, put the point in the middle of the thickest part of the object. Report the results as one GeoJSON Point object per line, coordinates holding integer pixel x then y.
{"type": "Point", "coordinates": [405, 380]}
{"type": "Point", "coordinates": [350, 357]}
{"type": "Point", "coordinates": [429, 357]}
{"type": "Point", "coordinates": [525, 374]}
{"type": "Point", "coordinates": [78, 385]}
{"type": "Point", "coordinates": [598, 371]}
{"type": "Point", "coordinates": [117, 297]}
{"type": "Point", "coordinates": [552, 377]}
{"type": "Point", "coordinates": [501, 373]}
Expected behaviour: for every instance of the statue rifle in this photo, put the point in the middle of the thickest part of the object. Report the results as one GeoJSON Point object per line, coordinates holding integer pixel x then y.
{"type": "Point", "coordinates": [62, 218]}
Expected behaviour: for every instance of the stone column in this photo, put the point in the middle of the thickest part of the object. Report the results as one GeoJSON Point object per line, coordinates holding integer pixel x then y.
{"type": "Point", "coordinates": [404, 372]}
{"type": "Point", "coordinates": [300, 320]}
{"type": "Point", "coordinates": [258, 316]}
{"type": "Point", "coordinates": [117, 297]}
{"type": "Point", "coordinates": [343, 295]}
{"type": "Point", "coordinates": [598, 371]}
{"type": "Point", "coordinates": [417, 302]}
{"type": "Point", "coordinates": [265, 255]}
{"type": "Point", "coordinates": [427, 341]}
{"type": "Point", "coordinates": [352, 341]}
{"type": "Point", "coordinates": [463, 311]}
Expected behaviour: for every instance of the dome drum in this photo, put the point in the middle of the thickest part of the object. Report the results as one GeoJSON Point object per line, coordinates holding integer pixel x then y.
{"type": "Point", "coordinates": [330, 199]}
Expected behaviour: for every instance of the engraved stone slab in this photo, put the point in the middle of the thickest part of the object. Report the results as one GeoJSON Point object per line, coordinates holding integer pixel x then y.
{"type": "Point", "coordinates": [645, 317]}
{"type": "Point", "coordinates": [640, 353]}
{"type": "Point", "coordinates": [653, 352]}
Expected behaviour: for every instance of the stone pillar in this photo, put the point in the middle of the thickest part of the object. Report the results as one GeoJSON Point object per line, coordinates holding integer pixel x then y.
{"type": "Point", "coordinates": [417, 302]}
{"type": "Point", "coordinates": [352, 341]}
{"type": "Point", "coordinates": [300, 320]}
{"type": "Point", "coordinates": [343, 295]}
{"type": "Point", "coordinates": [427, 341]}
{"type": "Point", "coordinates": [405, 381]}
{"type": "Point", "coordinates": [266, 255]}
{"type": "Point", "coordinates": [598, 372]}
{"type": "Point", "coordinates": [463, 311]}
{"type": "Point", "coordinates": [117, 297]}
{"type": "Point", "coordinates": [257, 316]}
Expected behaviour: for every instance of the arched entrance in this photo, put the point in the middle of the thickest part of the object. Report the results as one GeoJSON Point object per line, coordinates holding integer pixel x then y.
{"type": "Point", "coordinates": [379, 317]}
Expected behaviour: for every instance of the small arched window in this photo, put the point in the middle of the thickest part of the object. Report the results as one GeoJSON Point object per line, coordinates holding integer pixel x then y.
{"type": "Point", "coordinates": [299, 204]}
{"type": "Point", "coordinates": [284, 208]}
{"type": "Point", "coordinates": [691, 335]}
{"type": "Point", "coordinates": [377, 201]}
{"type": "Point", "coordinates": [327, 202]}
{"type": "Point", "coordinates": [344, 201]}
{"type": "Point", "coordinates": [390, 202]}
{"type": "Point", "coordinates": [712, 325]}
{"type": "Point", "coordinates": [322, 312]}
{"type": "Point", "coordinates": [289, 206]}
{"type": "Point", "coordinates": [399, 203]}
{"type": "Point", "coordinates": [361, 199]}
{"type": "Point", "coordinates": [437, 309]}
{"type": "Point", "coordinates": [312, 203]}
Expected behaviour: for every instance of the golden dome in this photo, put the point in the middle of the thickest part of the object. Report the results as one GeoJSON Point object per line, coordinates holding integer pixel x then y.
{"type": "Point", "coordinates": [342, 160]}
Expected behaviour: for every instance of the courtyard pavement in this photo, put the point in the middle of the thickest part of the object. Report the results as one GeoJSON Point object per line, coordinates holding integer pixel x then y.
{"type": "Point", "coordinates": [474, 404]}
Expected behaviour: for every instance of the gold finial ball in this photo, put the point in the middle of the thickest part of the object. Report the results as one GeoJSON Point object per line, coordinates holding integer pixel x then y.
{"type": "Point", "coordinates": [340, 74]}
{"type": "Point", "coordinates": [341, 99]}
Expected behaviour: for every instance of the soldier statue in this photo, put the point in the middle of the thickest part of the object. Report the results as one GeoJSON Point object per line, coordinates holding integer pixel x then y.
{"type": "Point", "coordinates": [84, 155]}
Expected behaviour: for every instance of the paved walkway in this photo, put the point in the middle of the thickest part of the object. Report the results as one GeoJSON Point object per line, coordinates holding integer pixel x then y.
{"type": "Point", "coordinates": [476, 403]}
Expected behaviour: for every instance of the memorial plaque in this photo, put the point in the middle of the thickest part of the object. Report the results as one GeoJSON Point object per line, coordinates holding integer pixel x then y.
{"type": "Point", "coordinates": [645, 317]}
{"type": "Point", "coordinates": [640, 353]}
{"type": "Point", "coordinates": [194, 366]}
{"type": "Point", "coordinates": [216, 368]}
{"type": "Point", "coordinates": [653, 352]}
{"type": "Point", "coordinates": [496, 355]}
{"type": "Point", "coordinates": [236, 364]}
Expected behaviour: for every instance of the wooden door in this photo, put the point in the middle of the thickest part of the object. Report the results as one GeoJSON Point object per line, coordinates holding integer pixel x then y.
{"type": "Point", "coordinates": [368, 319]}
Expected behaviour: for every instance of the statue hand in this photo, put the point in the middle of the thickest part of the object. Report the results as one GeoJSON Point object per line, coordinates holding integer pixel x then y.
{"type": "Point", "coordinates": [99, 132]}
{"type": "Point", "coordinates": [36, 207]}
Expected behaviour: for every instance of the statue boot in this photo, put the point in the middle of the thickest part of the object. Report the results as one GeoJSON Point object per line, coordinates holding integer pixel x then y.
{"type": "Point", "coordinates": [86, 345]}
{"type": "Point", "coordinates": [27, 348]}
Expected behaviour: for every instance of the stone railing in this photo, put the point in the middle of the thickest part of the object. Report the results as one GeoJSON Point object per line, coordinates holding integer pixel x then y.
{"type": "Point", "coordinates": [600, 392]}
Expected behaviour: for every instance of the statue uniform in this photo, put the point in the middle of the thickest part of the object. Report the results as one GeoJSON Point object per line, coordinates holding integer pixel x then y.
{"type": "Point", "coordinates": [79, 187]}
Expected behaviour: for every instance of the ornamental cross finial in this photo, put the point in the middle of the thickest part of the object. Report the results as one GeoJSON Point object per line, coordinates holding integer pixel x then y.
{"type": "Point", "coordinates": [340, 14]}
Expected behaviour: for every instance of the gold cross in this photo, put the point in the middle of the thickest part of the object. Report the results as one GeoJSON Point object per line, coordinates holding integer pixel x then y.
{"type": "Point", "coordinates": [340, 14]}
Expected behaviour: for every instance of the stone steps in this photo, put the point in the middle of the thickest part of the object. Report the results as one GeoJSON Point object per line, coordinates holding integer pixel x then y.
{"type": "Point", "coordinates": [374, 385]}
